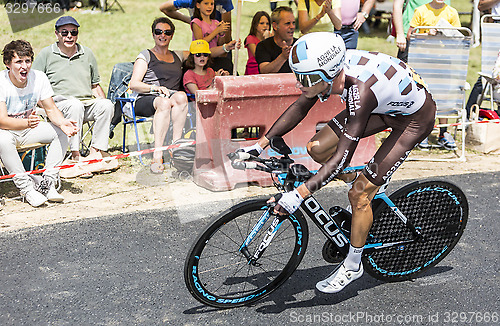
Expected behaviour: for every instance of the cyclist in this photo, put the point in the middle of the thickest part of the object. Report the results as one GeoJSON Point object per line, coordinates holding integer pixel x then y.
{"type": "Point", "coordinates": [379, 92]}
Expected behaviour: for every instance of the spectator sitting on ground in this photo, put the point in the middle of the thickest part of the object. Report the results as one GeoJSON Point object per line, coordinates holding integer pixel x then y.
{"type": "Point", "coordinates": [429, 15]}
{"type": "Point", "coordinates": [73, 74]}
{"type": "Point", "coordinates": [198, 73]}
{"type": "Point", "coordinates": [205, 27]}
{"type": "Point", "coordinates": [157, 78]}
{"type": "Point", "coordinates": [319, 16]}
{"type": "Point", "coordinates": [259, 30]}
{"type": "Point", "coordinates": [271, 54]}
{"type": "Point", "coordinates": [20, 90]}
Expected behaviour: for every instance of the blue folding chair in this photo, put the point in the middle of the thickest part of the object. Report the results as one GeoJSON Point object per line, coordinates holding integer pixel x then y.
{"type": "Point", "coordinates": [127, 106]}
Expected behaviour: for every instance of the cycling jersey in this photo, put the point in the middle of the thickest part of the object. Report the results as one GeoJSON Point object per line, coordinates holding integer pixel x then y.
{"type": "Point", "coordinates": [397, 88]}
{"type": "Point", "coordinates": [380, 92]}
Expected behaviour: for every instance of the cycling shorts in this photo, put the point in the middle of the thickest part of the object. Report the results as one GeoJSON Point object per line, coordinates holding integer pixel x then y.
{"type": "Point", "coordinates": [407, 132]}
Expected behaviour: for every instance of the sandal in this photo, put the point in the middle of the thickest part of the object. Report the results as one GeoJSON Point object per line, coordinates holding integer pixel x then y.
{"type": "Point", "coordinates": [156, 166]}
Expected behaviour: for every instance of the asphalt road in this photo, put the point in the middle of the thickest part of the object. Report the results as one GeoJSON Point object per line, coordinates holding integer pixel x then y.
{"type": "Point", "coordinates": [128, 270]}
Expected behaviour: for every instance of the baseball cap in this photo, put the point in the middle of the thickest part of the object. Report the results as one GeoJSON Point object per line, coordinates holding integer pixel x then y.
{"type": "Point", "coordinates": [199, 46]}
{"type": "Point", "coordinates": [65, 20]}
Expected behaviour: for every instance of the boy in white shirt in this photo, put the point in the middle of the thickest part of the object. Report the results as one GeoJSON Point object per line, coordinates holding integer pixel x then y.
{"type": "Point", "coordinates": [20, 90]}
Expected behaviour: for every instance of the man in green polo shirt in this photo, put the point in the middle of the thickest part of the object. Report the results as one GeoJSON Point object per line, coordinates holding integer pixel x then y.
{"type": "Point", "coordinates": [74, 77]}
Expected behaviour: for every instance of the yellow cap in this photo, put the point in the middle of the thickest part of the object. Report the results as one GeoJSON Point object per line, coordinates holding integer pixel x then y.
{"type": "Point", "coordinates": [199, 46]}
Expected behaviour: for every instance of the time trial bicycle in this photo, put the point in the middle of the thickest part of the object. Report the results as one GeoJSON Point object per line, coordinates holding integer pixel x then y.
{"type": "Point", "coordinates": [247, 252]}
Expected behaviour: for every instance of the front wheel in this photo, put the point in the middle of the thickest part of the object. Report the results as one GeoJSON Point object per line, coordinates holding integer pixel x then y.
{"type": "Point", "coordinates": [439, 211]}
{"type": "Point", "coordinates": [217, 274]}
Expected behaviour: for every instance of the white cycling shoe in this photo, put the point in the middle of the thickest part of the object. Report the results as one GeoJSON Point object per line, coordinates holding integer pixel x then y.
{"type": "Point", "coordinates": [339, 279]}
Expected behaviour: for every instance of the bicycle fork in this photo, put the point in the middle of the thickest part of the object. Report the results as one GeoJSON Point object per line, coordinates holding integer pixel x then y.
{"type": "Point", "coordinates": [268, 237]}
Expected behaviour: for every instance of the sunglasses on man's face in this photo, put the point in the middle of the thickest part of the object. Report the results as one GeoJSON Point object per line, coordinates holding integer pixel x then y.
{"type": "Point", "coordinates": [308, 80]}
{"type": "Point", "coordinates": [199, 55]}
{"type": "Point", "coordinates": [65, 33]}
{"type": "Point", "coordinates": [167, 32]}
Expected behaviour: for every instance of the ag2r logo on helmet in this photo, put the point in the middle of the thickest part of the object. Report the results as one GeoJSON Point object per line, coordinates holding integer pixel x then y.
{"type": "Point", "coordinates": [328, 55]}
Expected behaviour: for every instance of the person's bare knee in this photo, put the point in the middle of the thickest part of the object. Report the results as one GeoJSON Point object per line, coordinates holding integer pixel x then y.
{"type": "Point", "coordinates": [362, 193]}
{"type": "Point", "coordinates": [317, 152]}
{"type": "Point", "coordinates": [162, 104]}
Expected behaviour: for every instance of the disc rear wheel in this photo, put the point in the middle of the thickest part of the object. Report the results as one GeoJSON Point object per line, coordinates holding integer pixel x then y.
{"type": "Point", "coordinates": [437, 209]}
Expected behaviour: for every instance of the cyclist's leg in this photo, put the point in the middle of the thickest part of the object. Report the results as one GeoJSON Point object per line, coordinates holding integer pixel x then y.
{"type": "Point", "coordinates": [324, 143]}
{"type": "Point", "coordinates": [360, 197]}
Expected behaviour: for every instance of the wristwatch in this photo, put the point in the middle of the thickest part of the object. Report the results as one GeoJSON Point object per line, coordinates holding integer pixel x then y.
{"type": "Point", "coordinates": [365, 14]}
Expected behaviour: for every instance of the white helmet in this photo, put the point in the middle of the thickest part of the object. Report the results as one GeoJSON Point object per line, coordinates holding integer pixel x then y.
{"type": "Point", "coordinates": [317, 56]}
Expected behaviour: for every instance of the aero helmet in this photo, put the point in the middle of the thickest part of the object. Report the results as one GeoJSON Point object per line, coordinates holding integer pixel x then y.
{"type": "Point", "coordinates": [317, 56]}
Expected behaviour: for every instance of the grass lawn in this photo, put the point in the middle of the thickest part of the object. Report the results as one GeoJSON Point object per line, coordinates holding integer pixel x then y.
{"type": "Point", "coordinates": [118, 37]}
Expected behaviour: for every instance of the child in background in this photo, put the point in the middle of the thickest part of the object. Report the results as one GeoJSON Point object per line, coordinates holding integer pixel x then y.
{"type": "Point", "coordinates": [205, 27]}
{"type": "Point", "coordinates": [429, 15]}
{"type": "Point", "coordinates": [259, 30]}
{"type": "Point", "coordinates": [198, 73]}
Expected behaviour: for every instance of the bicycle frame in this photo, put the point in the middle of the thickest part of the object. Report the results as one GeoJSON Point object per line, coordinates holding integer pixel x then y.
{"type": "Point", "coordinates": [324, 221]}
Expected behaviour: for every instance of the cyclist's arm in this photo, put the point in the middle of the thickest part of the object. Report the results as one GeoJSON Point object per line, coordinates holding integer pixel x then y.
{"type": "Point", "coordinates": [295, 113]}
{"type": "Point", "coordinates": [359, 114]}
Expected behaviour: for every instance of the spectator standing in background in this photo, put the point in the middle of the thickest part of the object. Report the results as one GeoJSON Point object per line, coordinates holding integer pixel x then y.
{"type": "Point", "coordinates": [352, 19]}
{"type": "Point", "coordinates": [206, 27]}
{"type": "Point", "coordinates": [223, 10]}
{"type": "Point", "coordinates": [402, 12]}
{"type": "Point", "coordinates": [319, 16]}
{"type": "Point", "coordinates": [259, 31]}
{"type": "Point", "coordinates": [272, 54]}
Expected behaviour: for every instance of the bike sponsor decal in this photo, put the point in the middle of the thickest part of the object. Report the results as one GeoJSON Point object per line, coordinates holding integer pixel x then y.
{"type": "Point", "coordinates": [256, 228]}
{"type": "Point", "coordinates": [440, 189]}
{"type": "Point", "coordinates": [198, 286]}
{"type": "Point", "coordinates": [251, 296]}
{"type": "Point", "coordinates": [299, 229]}
{"type": "Point", "coordinates": [273, 228]}
{"type": "Point", "coordinates": [326, 222]}
{"type": "Point", "coordinates": [383, 271]}
{"type": "Point", "coordinates": [220, 300]}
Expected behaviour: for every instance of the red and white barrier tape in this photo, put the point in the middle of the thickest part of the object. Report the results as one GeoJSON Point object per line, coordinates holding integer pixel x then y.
{"type": "Point", "coordinates": [467, 123]}
{"type": "Point", "coordinates": [114, 157]}
{"type": "Point", "coordinates": [459, 124]}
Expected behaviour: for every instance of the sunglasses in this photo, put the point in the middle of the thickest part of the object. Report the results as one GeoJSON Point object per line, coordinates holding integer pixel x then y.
{"type": "Point", "coordinates": [167, 32]}
{"type": "Point", "coordinates": [65, 33]}
{"type": "Point", "coordinates": [199, 55]}
{"type": "Point", "coordinates": [308, 80]}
